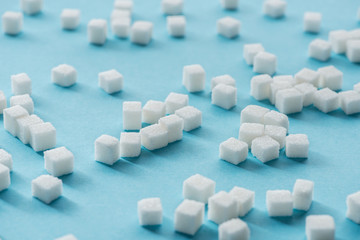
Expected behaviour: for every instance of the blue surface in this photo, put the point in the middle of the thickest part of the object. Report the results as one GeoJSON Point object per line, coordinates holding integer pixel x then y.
{"type": "Point", "coordinates": [99, 202]}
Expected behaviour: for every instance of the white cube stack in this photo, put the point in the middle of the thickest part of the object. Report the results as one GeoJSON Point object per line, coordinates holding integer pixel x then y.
{"type": "Point", "coordinates": [308, 76]}
{"type": "Point", "coordinates": [11, 114]}
{"type": "Point", "coordinates": [250, 51]}
{"type": "Point", "coordinates": [223, 79]}
{"type": "Point", "coordinates": [289, 101]}
{"type": "Point", "coordinates": [265, 63]}
{"type": "Point", "coordinates": [130, 144]}
{"type": "Point", "coordinates": [312, 22]}
{"type": "Point", "coordinates": [198, 188]}
{"type": "Point", "coordinates": [174, 125]}
{"type": "Point", "coordinates": [253, 114]}
{"type": "Point", "coordinates": [31, 7]}
{"type": "Point", "coordinates": [224, 96]}
{"type": "Point", "coordinates": [20, 84]}
{"type": "Point", "coordinates": [97, 31]}
{"type": "Point", "coordinates": [192, 117]}
{"type": "Point", "coordinates": [141, 32]}
{"type": "Point", "coordinates": [297, 146]}
{"type": "Point", "coordinates": [111, 81]}
{"type": "Point", "coordinates": [24, 123]}
{"type": "Point", "coordinates": [4, 177]}
{"type": "Point", "coordinates": [70, 18]}
{"type": "Point", "coordinates": [222, 207]}
{"type": "Point", "coordinates": [175, 101]}
{"type": "Point", "coordinates": [43, 136]}
{"type": "Point", "coordinates": [353, 50]}
{"type": "Point", "coordinates": [12, 22]}
{"type": "Point", "coordinates": [150, 211]}
{"type": "Point", "coordinates": [64, 75]}
{"type": "Point", "coordinates": [46, 188]}
{"type": "Point", "coordinates": [194, 78]}
{"type": "Point", "coordinates": [229, 4]}
{"type": "Point", "coordinates": [330, 77]}
{"type": "Point", "coordinates": [176, 25]}
{"type": "Point", "coordinates": [260, 86]}
{"type": "Point", "coordinates": [6, 159]}
{"type": "Point", "coordinates": [320, 227]}
{"type": "Point", "coordinates": [249, 131]}
{"type": "Point", "coordinates": [172, 7]}
{"type": "Point", "coordinates": [153, 111]}
{"type": "Point", "coordinates": [244, 199]}
{"type": "Point", "coordinates": [303, 194]}
{"type": "Point", "coordinates": [228, 27]}
{"type": "Point", "coordinates": [279, 203]}
{"type": "Point", "coordinates": [274, 8]}
{"type": "Point", "coordinates": [3, 103]}
{"type": "Point", "coordinates": [353, 207]}
{"type": "Point", "coordinates": [59, 161]}
{"type": "Point", "coordinates": [23, 100]}
{"type": "Point", "coordinates": [320, 49]}
{"type": "Point", "coordinates": [154, 137]}
{"type": "Point", "coordinates": [107, 149]}
{"type": "Point", "coordinates": [265, 148]}
{"type": "Point", "coordinates": [326, 100]}
{"type": "Point", "coordinates": [233, 151]}
{"type": "Point", "coordinates": [350, 102]}
{"type": "Point", "coordinates": [338, 39]}
{"type": "Point", "coordinates": [132, 112]}
{"type": "Point", "coordinates": [234, 229]}
{"type": "Point", "coordinates": [189, 217]}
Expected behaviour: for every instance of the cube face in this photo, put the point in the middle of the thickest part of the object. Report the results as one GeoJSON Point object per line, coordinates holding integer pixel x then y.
{"type": "Point", "coordinates": [46, 188]}
{"type": "Point", "coordinates": [312, 22]}
{"type": "Point", "coordinates": [24, 123]}
{"type": "Point", "coordinates": [176, 26]}
{"type": "Point", "coordinates": [59, 161]}
{"type": "Point", "coordinates": [308, 76]}
{"type": "Point", "coordinates": [130, 144]}
{"type": "Point", "coordinates": [326, 100]}
{"type": "Point", "coordinates": [132, 115]}
{"type": "Point", "coordinates": [244, 199]}
{"type": "Point", "coordinates": [194, 78]}
{"type": "Point", "coordinates": [64, 75]}
{"type": "Point", "coordinates": [20, 84]}
{"type": "Point", "coordinates": [289, 101]}
{"type": "Point", "coordinates": [223, 79]}
{"type": "Point", "coordinates": [250, 51]}
{"type": "Point", "coordinates": [297, 146]}
{"type": "Point", "coordinates": [276, 118]}
{"type": "Point", "coordinates": [153, 111]}
{"type": "Point", "coordinates": [189, 216]}
{"type": "Point", "coordinates": [192, 117]}
{"type": "Point", "coordinates": [330, 77]}
{"type": "Point", "coordinates": [279, 203]}
{"type": "Point", "coordinates": [97, 31]}
{"type": "Point", "coordinates": [111, 81]}
{"type": "Point", "coordinates": [353, 50]}
{"type": "Point", "coordinates": [265, 63]}
{"type": "Point", "coordinates": [320, 227]}
{"type": "Point", "coordinates": [154, 137]}
{"type": "Point", "coordinates": [23, 100]}
{"type": "Point", "coordinates": [121, 27]}
{"type": "Point", "coordinates": [3, 103]}
{"type": "Point", "coordinates": [12, 22]}
{"type": "Point", "coordinates": [274, 8]}
{"type": "Point", "coordinates": [141, 32]}
{"type": "Point", "coordinates": [70, 19]}
{"type": "Point", "coordinates": [11, 114]}
{"type": "Point", "coordinates": [277, 133]}
{"type": "Point", "coordinates": [222, 207]}
{"type": "Point", "coordinates": [338, 39]}
{"type": "Point", "coordinates": [4, 177]}
{"type": "Point", "coordinates": [6, 159]}
{"type": "Point", "coordinates": [253, 114]}
{"type": "Point", "coordinates": [233, 151]}
{"type": "Point", "coordinates": [229, 4]}
{"type": "Point", "coordinates": [175, 101]}
{"type": "Point", "coordinates": [172, 7]}
{"type": "Point", "coordinates": [353, 207]}
{"type": "Point", "coordinates": [350, 102]}
{"type": "Point", "coordinates": [234, 229]}
{"type": "Point", "coordinates": [303, 194]}
{"type": "Point", "coordinates": [320, 50]}
{"type": "Point", "coordinates": [308, 91]}
{"type": "Point", "coordinates": [174, 125]}
{"type": "Point", "coordinates": [260, 86]}
{"type": "Point", "coordinates": [198, 188]}
{"type": "Point", "coordinates": [43, 136]}
{"type": "Point", "coordinates": [265, 148]}
{"type": "Point", "coordinates": [249, 131]}
{"type": "Point", "coordinates": [150, 211]}
{"type": "Point", "coordinates": [31, 7]}
{"type": "Point", "coordinates": [224, 96]}
{"type": "Point", "coordinates": [107, 149]}
{"type": "Point", "coordinates": [228, 27]}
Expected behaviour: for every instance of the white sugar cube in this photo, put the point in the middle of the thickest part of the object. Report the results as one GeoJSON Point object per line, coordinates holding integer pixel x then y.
{"type": "Point", "coordinates": [6, 159]}
{"type": "Point", "coordinates": [320, 49]}
{"type": "Point", "coordinates": [174, 125]}
{"type": "Point", "coordinates": [250, 51]}
{"type": "Point", "coordinates": [64, 75]}
{"type": "Point", "coordinates": [24, 123]}
{"type": "Point", "coordinates": [229, 4]}
{"type": "Point", "coordinates": [303, 194]}
{"type": "Point", "coordinates": [253, 114]}
{"type": "Point", "coordinates": [222, 207]}
{"type": "Point", "coordinates": [284, 78]}
{"type": "Point", "coordinates": [154, 137]}
{"type": "Point", "coordinates": [111, 81]}
{"type": "Point", "coordinates": [107, 149]}
{"type": "Point", "coordinates": [244, 200]}
{"type": "Point", "coordinates": [357, 87]}
{"type": "Point", "coordinates": [289, 101]}
{"type": "Point", "coordinates": [353, 207]}
{"type": "Point", "coordinates": [153, 111]}
{"type": "Point", "coordinates": [20, 84]}
{"type": "Point", "coordinates": [189, 217]}
{"type": "Point", "coordinates": [223, 79]}
{"type": "Point", "coordinates": [42, 136]}
{"type": "Point", "coordinates": [132, 115]}
{"type": "Point", "coordinates": [130, 144]}
{"type": "Point", "coordinates": [277, 86]}
{"type": "Point", "coordinates": [265, 62]}
{"type": "Point", "coordinates": [194, 78]}
{"type": "Point", "coordinates": [23, 100]}
{"type": "Point", "coordinates": [277, 119]}
{"type": "Point", "coordinates": [10, 116]}
{"type": "Point", "coordinates": [176, 25]}
{"type": "Point", "coordinates": [308, 90]}
{"type": "Point", "coordinates": [320, 227]}
{"type": "Point", "coordinates": [330, 77]}
{"type": "Point", "coordinates": [277, 133]}
{"type": "Point", "coordinates": [260, 86]}
{"type": "Point", "coordinates": [224, 96]}
{"type": "Point", "coordinates": [198, 188]}
{"type": "Point", "coordinates": [172, 7]}
{"type": "Point", "coordinates": [326, 100]}
{"type": "Point", "coordinates": [274, 8]}
{"type": "Point", "coordinates": [150, 211]}
{"type": "Point", "coordinates": [175, 101]}
{"type": "Point", "coordinates": [192, 117]}
{"type": "Point", "coordinates": [279, 203]}
{"type": "Point", "coordinates": [70, 18]}
{"type": "Point", "coordinates": [67, 237]}
{"type": "Point", "coordinates": [308, 76]}
{"type": "Point", "coordinates": [265, 148]}
{"type": "Point", "coordinates": [12, 22]}
{"type": "Point", "coordinates": [97, 31]}
{"type": "Point", "coordinates": [46, 188]}
{"type": "Point", "coordinates": [338, 39]}
{"type": "Point", "coordinates": [59, 161]}
{"type": "Point", "coordinates": [234, 229]}
{"type": "Point", "coordinates": [233, 151]}
{"type": "Point", "coordinates": [228, 27]}
{"type": "Point", "coordinates": [3, 103]}
{"type": "Point", "coordinates": [354, 34]}
{"type": "Point", "coordinates": [141, 32]}
{"type": "Point", "coordinates": [4, 177]}
{"type": "Point", "coordinates": [350, 101]}
{"type": "Point", "coordinates": [312, 22]}
{"type": "Point", "coordinates": [120, 14]}
{"type": "Point", "coordinates": [353, 50]}
{"type": "Point", "coordinates": [121, 27]}
{"type": "Point", "coordinates": [297, 146]}
{"type": "Point", "coordinates": [123, 5]}
{"type": "Point", "coordinates": [31, 7]}
{"type": "Point", "coordinates": [249, 131]}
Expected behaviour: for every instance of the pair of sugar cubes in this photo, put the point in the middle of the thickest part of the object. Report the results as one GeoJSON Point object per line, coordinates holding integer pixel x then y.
{"type": "Point", "coordinates": [262, 61]}
{"type": "Point", "coordinates": [176, 24]}
{"type": "Point", "coordinates": [121, 18]}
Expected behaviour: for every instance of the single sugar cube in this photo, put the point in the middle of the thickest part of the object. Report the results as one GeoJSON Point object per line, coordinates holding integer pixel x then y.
{"type": "Point", "coordinates": [326, 100]}
{"type": "Point", "coordinates": [308, 76]}
{"type": "Point", "coordinates": [244, 198]}
{"type": "Point", "coordinates": [277, 86]}
{"type": "Point", "coordinates": [121, 27]}
{"type": "Point", "coordinates": [23, 100]}
{"type": "Point", "coordinates": [253, 114]}
{"type": "Point", "coordinates": [308, 90]}
{"type": "Point", "coordinates": [141, 32]}
{"type": "Point", "coordinates": [350, 102]}
{"type": "Point", "coordinates": [192, 117]}
{"type": "Point", "coordinates": [6, 159]}
{"type": "Point", "coordinates": [198, 188]}
{"type": "Point", "coordinates": [234, 229]}
{"type": "Point", "coordinates": [228, 27]}
{"type": "Point", "coordinates": [303, 194]}
{"type": "Point", "coordinates": [20, 84]}
{"type": "Point", "coordinates": [297, 146]}
{"type": "Point", "coordinates": [4, 177]}
{"type": "Point", "coordinates": [97, 31]}
{"type": "Point", "coordinates": [120, 14]}
{"type": "Point", "coordinates": [194, 78]}
{"type": "Point", "coordinates": [353, 51]}
{"type": "Point", "coordinates": [176, 25]}
{"type": "Point", "coordinates": [312, 22]}
{"type": "Point", "coordinates": [189, 217]}
{"type": "Point", "coordinates": [70, 18]}
{"type": "Point", "coordinates": [10, 116]}
{"type": "Point", "coordinates": [224, 96]}
{"type": "Point", "coordinates": [175, 101]}
{"type": "Point", "coordinates": [353, 207]}
{"type": "Point", "coordinates": [357, 87]}
{"type": "Point", "coordinates": [330, 77]}
{"type": "Point", "coordinates": [3, 103]}
{"type": "Point", "coordinates": [154, 137]}
{"type": "Point", "coordinates": [64, 75]}
{"type": "Point", "coordinates": [276, 118]}
{"type": "Point", "coordinates": [320, 49]}
{"type": "Point", "coordinates": [279, 203]}
{"type": "Point", "coordinates": [265, 148]}
{"type": "Point", "coordinates": [12, 22]}
{"type": "Point", "coordinates": [67, 237]}
{"type": "Point", "coordinates": [111, 81]}
{"type": "Point", "coordinates": [320, 227]}
{"type": "Point", "coordinates": [274, 8]}
{"type": "Point", "coordinates": [130, 144]}
{"type": "Point", "coordinates": [229, 4]}
{"type": "Point", "coordinates": [223, 79]}
{"type": "Point", "coordinates": [153, 111]}
{"type": "Point", "coordinates": [249, 131]}
{"type": "Point", "coordinates": [24, 123]}
{"type": "Point", "coordinates": [123, 5]}
{"type": "Point", "coordinates": [107, 149]}
{"type": "Point", "coordinates": [150, 211]}
{"type": "Point", "coordinates": [277, 133]}
{"type": "Point", "coordinates": [260, 86]}
{"type": "Point", "coordinates": [42, 136]}
{"type": "Point", "coordinates": [31, 7]}
{"type": "Point", "coordinates": [338, 39]}
{"type": "Point", "coordinates": [132, 115]}
{"type": "Point", "coordinates": [233, 151]}
{"type": "Point", "coordinates": [265, 63]}
{"type": "Point", "coordinates": [250, 51]}
{"type": "Point", "coordinates": [174, 125]}
{"type": "Point", "coordinates": [46, 188]}
{"type": "Point", "coordinates": [222, 207]}
{"type": "Point", "coordinates": [59, 161]}
{"type": "Point", "coordinates": [172, 7]}
{"type": "Point", "coordinates": [289, 101]}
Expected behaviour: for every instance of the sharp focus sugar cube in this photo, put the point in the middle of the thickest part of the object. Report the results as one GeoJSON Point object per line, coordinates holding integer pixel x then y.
{"type": "Point", "coordinates": [192, 117]}
{"type": "Point", "coordinates": [172, 7]}
{"type": "Point", "coordinates": [59, 161]}
{"type": "Point", "coordinates": [233, 151]}
{"type": "Point", "coordinates": [279, 203]}
{"type": "Point", "coordinates": [154, 137]}
{"type": "Point", "coordinates": [249, 131]}
{"type": "Point", "coordinates": [174, 125]}
{"type": "Point", "coordinates": [132, 115]}
{"type": "Point", "coordinates": [67, 237]}
{"type": "Point", "coordinates": [297, 146]}
{"type": "Point", "coordinates": [229, 4]}
{"type": "Point", "coordinates": [260, 86]}
{"type": "Point", "coordinates": [20, 84]}
{"type": "Point", "coordinates": [357, 87]}
{"type": "Point", "coordinates": [274, 8]}
{"type": "Point", "coordinates": [4, 177]}
{"type": "Point", "coordinates": [123, 5]}
{"type": "Point", "coordinates": [153, 111]}
{"type": "Point", "coordinates": [3, 103]}
{"type": "Point", "coordinates": [326, 100]}
{"type": "Point", "coordinates": [320, 227]}
{"type": "Point", "coordinates": [121, 27]}
{"type": "Point", "coordinates": [6, 159]}
{"type": "Point", "coordinates": [198, 188]}
{"type": "Point", "coordinates": [141, 32]}
{"type": "Point", "coordinates": [46, 188]}
{"type": "Point", "coordinates": [11, 114]}
{"type": "Point", "coordinates": [224, 96]}
{"type": "Point", "coordinates": [31, 7]}
{"type": "Point", "coordinates": [228, 27]}
{"type": "Point", "coordinates": [42, 136]}
{"type": "Point", "coordinates": [24, 123]}
{"type": "Point", "coordinates": [176, 25]}
{"type": "Point", "coordinates": [70, 18]}
{"type": "Point", "coordinates": [234, 229]}
{"type": "Point", "coordinates": [308, 76]}
{"type": "Point", "coordinates": [276, 118]}
{"type": "Point", "coordinates": [353, 50]}
{"type": "Point", "coordinates": [175, 101]}
{"type": "Point", "coordinates": [289, 101]}
{"type": "Point", "coordinates": [223, 79]}
{"type": "Point", "coordinates": [312, 22]}
{"type": "Point", "coordinates": [330, 77]}
{"type": "Point", "coordinates": [350, 102]}
{"type": "Point", "coordinates": [244, 199]}
{"type": "Point", "coordinates": [277, 133]}
{"type": "Point", "coordinates": [194, 78]}
{"type": "Point", "coordinates": [320, 50]}
{"type": "Point", "coordinates": [150, 211]}
{"type": "Point", "coordinates": [222, 207]}
{"type": "Point", "coordinates": [130, 144]}
{"type": "Point", "coordinates": [189, 217]}
{"type": "Point", "coordinates": [303, 194]}
{"type": "Point", "coordinates": [250, 51]}
{"type": "Point", "coordinates": [23, 100]}
{"type": "Point", "coordinates": [64, 75]}
{"type": "Point", "coordinates": [12, 22]}
{"type": "Point", "coordinates": [253, 114]}
{"type": "Point", "coordinates": [308, 91]}
{"type": "Point", "coordinates": [265, 62]}
{"type": "Point", "coordinates": [107, 149]}
{"type": "Point", "coordinates": [353, 207]}
{"type": "Point", "coordinates": [97, 31]}
{"type": "Point", "coordinates": [120, 14]}
{"type": "Point", "coordinates": [265, 148]}
{"type": "Point", "coordinates": [338, 40]}
{"type": "Point", "coordinates": [277, 86]}
{"type": "Point", "coordinates": [111, 81]}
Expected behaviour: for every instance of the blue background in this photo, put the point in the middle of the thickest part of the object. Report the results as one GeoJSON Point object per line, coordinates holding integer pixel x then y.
{"type": "Point", "coordinates": [99, 202]}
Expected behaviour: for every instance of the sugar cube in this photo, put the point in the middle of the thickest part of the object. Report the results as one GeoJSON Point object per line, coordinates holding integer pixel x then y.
{"type": "Point", "coordinates": [153, 111]}
{"type": "Point", "coordinates": [31, 7]}
{"type": "Point", "coordinates": [64, 75]}
{"type": "Point", "coordinates": [279, 203]}
{"type": "Point", "coordinates": [20, 84]}
{"type": "Point", "coordinates": [23, 100]}
{"type": "Point", "coordinates": [284, 78]}
{"type": "Point", "coordinates": [107, 149]}
{"type": "Point", "coordinates": [111, 81]}
{"type": "Point", "coordinates": [249, 131]}
{"type": "Point", "coordinates": [6, 159]}
{"type": "Point", "coordinates": [265, 148]}
{"type": "Point", "coordinates": [194, 78]}
{"type": "Point", "coordinates": [172, 7]}
{"type": "Point", "coordinates": [123, 5]}
{"type": "Point", "coordinates": [4, 177]}
{"type": "Point", "coordinates": [175, 101]}
{"type": "Point", "coordinates": [223, 79]}
{"type": "Point", "coordinates": [353, 50]}
{"type": "Point", "coordinates": [250, 51]}
{"type": "Point", "coordinates": [320, 49]}
{"type": "Point", "coordinates": [338, 39]}
{"type": "Point", "coordinates": [330, 77]}
{"type": "Point", "coordinates": [46, 188]}
{"type": "Point", "coordinates": [198, 188]}
{"type": "Point", "coordinates": [233, 151]}
{"type": "Point", "coordinates": [141, 32]}
{"type": "Point", "coordinates": [176, 25]}
{"type": "Point", "coordinates": [326, 100]}
{"type": "Point", "coordinates": [67, 237]}
{"type": "Point", "coordinates": [174, 125]}
{"type": "Point", "coordinates": [277, 86]}
{"type": "Point", "coordinates": [97, 31]}
{"type": "Point", "coordinates": [274, 8]}
{"type": "Point", "coordinates": [154, 137]}
{"type": "Point", "coordinates": [357, 87]}
{"type": "Point", "coordinates": [308, 76]}
{"type": "Point", "coordinates": [120, 14]}
{"type": "Point", "coordinates": [189, 216]}
{"type": "Point", "coordinates": [192, 117]}
{"type": "Point", "coordinates": [297, 146]}
{"type": "Point", "coordinates": [234, 229]}
{"type": "Point", "coordinates": [353, 207]}
{"type": "Point", "coordinates": [354, 34]}
{"type": "Point", "coordinates": [224, 96]}
{"type": "Point", "coordinates": [10, 116]}
{"type": "Point", "coordinates": [350, 101]}
{"type": "Point", "coordinates": [244, 200]}
{"type": "Point", "coordinates": [260, 86]}
{"type": "Point", "coordinates": [24, 123]}
{"type": "Point", "coordinates": [320, 227]}
{"type": "Point", "coordinates": [312, 22]}
{"type": "Point", "coordinates": [308, 90]}
{"type": "Point", "coordinates": [132, 115]}
{"type": "Point", "coordinates": [228, 27]}
{"type": "Point", "coordinates": [42, 136]}
{"type": "Point", "coordinates": [3, 103]}
{"type": "Point", "coordinates": [276, 118]}
{"type": "Point", "coordinates": [277, 133]}
{"type": "Point", "coordinates": [150, 211]}
{"type": "Point", "coordinates": [222, 207]}
{"type": "Point", "coordinates": [303, 194]}
{"type": "Point", "coordinates": [70, 18]}
{"type": "Point", "coordinates": [130, 144]}
{"type": "Point", "coordinates": [59, 161]}
{"type": "Point", "coordinates": [12, 22]}
{"type": "Point", "coordinates": [289, 101]}
{"type": "Point", "coordinates": [229, 4]}
{"type": "Point", "coordinates": [253, 114]}
{"type": "Point", "coordinates": [121, 27]}
{"type": "Point", "coordinates": [265, 63]}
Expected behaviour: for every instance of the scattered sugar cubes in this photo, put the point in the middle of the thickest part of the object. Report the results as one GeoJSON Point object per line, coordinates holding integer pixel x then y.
{"type": "Point", "coordinates": [233, 151]}
{"type": "Point", "coordinates": [276, 118]}
{"type": "Point", "coordinates": [265, 63]}
{"type": "Point", "coordinates": [353, 207]}
{"type": "Point", "coordinates": [150, 211]}
{"type": "Point", "coordinates": [260, 86]}
{"type": "Point", "coordinates": [224, 96]}
{"type": "Point", "coordinates": [279, 203]}
{"type": "Point", "coordinates": [174, 125]}
{"type": "Point", "coordinates": [107, 149]}
{"type": "Point", "coordinates": [12, 22]}
{"type": "Point", "coordinates": [70, 18]}
{"type": "Point", "coordinates": [31, 7]}
{"type": "Point", "coordinates": [308, 90]}
{"type": "Point", "coordinates": [249, 131]}
{"type": "Point", "coordinates": [303, 194]}
{"type": "Point", "coordinates": [357, 87]}
{"type": "Point", "coordinates": [320, 49]}
{"type": "Point", "coordinates": [6, 159]}
{"type": "Point", "coordinates": [172, 7]}
{"type": "Point", "coordinates": [10, 116]}
{"type": "Point", "coordinates": [46, 188]}
{"type": "Point", "coordinates": [353, 51]}
{"type": "Point", "coordinates": [297, 146]}
{"type": "Point", "coordinates": [24, 123]}
{"type": "Point", "coordinates": [192, 117]}
{"type": "Point", "coordinates": [222, 207]}
{"type": "Point", "coordinates": [64, 75]}
{"type": "Point", "coordinates": [20, 84]}
{"type": "Point", "coordinates": [141, 32]}
{"type": "Point", "coordinates": [111, 81]}
{"type": "Point", "coordinates": [250, 51]}
{"type": "Point", "coordinates": [189, 217]}
{"type": "Point", "coordinates": [154, 137]}
{"type": "Point", "coordinates": [330, 77]}
{"type": "Point", "coordinates": [326, 100]}
{"type": "Point", "coordinates": [153, 111]}
{"type": "Point", "coordinates": [121, 27]}
{"type": "Point", "coordinates": [350, 102]}
{"type": "Point", "coordinates": [338, 39]}
{"type": "Point", "coordinates": [234, 229]}
{"type": "Point", "coordinates": [132, 115]}
{"type": "Point", "coordinates": [277, 133]}
{"type": "Point", "coordinates": [3, 103]}
{"type": "Point", "coordinates": [308, 76]}
{"type": "Point", "coordinates": [59, 161]}
{"type": "Point", "coordinates": [23, 100]}
{"type": "Point", "coordinates": [265, 148]}
{"type": "Point", "coordinates": [194, 78]}
{"type": "Point", "coordinates": [4, 177]}
{"type": "Point", "coordinates": [228, 27]}
{"type": "Point", "coordinates": [274, 8]}
{"type": "Point", "coordinates": [223, 79]}
{"type": "Point", "coordinates": [123, 5]}
{"type": "Point", "coordinates": [176, 25]}
{"type": "Point", "coordinates": [229, 4]}
{"type": "Point", "coordinates": [198, 188]}
{"type": "Point", "coordinates": [253, 114]}
{"type": "Point", "coordinates": [130, 144]}
{"type": "Point", "coordinates": [244, 200]}
{"type": "Point", "coordinates": [67, 237]}
{"type": "Point", "coordinates": [175, 101]}
{"type": "Point", "coordinates": [43, 136]}
{"type": "Point", "coordinates": [97, 31]}
{"type": "Point", "coordinates": [320, 227]}
{"type": "Point", "coordinates": [289, 101]}
{"type": "Point", "coordinates": [312, 22]}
